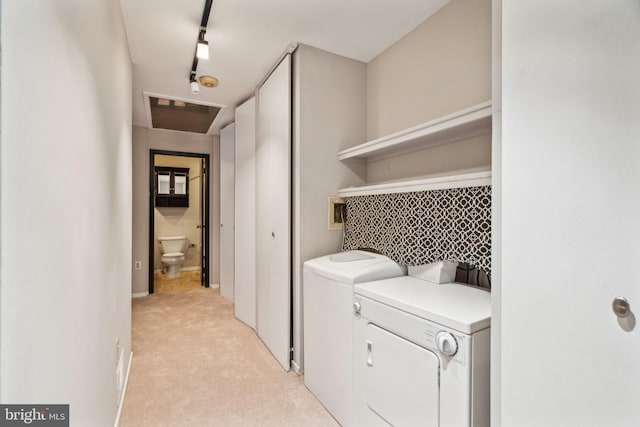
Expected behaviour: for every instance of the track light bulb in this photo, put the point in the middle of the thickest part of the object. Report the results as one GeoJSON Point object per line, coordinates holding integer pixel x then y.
{"type": "Point", "coordinates": [195, 87]}
{"type": "Point", "coordinates": [202, 50]}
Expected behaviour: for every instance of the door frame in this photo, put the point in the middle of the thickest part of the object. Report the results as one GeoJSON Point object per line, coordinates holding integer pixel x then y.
{"type": "Point", "coordinates": [204, 269]}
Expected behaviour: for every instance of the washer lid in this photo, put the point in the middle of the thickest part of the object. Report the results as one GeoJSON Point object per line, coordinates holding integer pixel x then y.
{"type": "Point", "coordinates": [354, 267]}
{"type": "Point", "coordinates": [464, 308]}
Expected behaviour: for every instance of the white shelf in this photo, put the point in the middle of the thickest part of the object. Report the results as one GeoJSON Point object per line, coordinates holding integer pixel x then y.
{"type": "Point", "coordinates": [474, 179]}
{"type": "Point", "coordinates": [463, 124]}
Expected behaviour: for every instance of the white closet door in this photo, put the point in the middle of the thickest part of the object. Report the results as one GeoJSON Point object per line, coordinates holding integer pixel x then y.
{"type": "Point", "coordinates": [245, 201]}
{"type": "Point", "coordinates": [227, 188]}
{"type": "Point", "coordinates": [570, 144]}
{"type": "Point", "coordinates": [273, 225]}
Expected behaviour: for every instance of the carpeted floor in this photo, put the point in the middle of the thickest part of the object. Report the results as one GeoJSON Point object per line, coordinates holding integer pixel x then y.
{"type": "Point", "coordinates": [194, 364]}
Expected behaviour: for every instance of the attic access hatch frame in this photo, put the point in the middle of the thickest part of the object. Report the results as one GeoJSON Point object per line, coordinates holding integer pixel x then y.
{"type": "Point", "coordinates": [147, 107]}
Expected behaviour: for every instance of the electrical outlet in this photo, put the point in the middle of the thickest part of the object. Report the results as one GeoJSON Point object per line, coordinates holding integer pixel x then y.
{"type": "Point", "coordinates": [138, 265]}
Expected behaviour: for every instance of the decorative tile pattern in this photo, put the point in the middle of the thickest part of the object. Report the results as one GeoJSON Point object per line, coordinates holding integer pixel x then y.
{"type": "Point", "coordinates": [422, 227]}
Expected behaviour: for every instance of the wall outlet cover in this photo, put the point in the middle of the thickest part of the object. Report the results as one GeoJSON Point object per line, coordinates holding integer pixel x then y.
{"type": "Point", "coordinates": [337, 212]}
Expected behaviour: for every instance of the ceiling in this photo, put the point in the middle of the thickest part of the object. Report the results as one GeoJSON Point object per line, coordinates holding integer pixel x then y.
{"type": "Point", "coordinates": [246, 37]}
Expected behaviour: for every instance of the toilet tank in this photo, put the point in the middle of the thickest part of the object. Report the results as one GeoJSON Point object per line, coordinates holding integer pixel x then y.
{"type": "Point", "coordinates": [170, 244]}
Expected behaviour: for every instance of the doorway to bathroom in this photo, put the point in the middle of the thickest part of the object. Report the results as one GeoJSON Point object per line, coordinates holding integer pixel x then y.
{"type": "Point", "coordinates": [178, 216]}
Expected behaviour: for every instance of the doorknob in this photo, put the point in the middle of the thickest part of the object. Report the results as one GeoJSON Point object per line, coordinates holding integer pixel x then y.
{"type": "Point", "coordinates": [621, 307]}
{"type": "Point", "coordinates": [273, 234]}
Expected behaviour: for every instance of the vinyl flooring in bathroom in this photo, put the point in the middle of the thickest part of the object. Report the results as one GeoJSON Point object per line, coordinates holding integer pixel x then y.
{"type": "Point", "coordinates": [187, 280]}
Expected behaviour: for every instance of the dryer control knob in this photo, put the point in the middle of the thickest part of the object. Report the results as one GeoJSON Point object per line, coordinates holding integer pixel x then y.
{"type": "Point", "coordinates": [356, 307]}
{"type": "Point", "coordinates": [447, 343]}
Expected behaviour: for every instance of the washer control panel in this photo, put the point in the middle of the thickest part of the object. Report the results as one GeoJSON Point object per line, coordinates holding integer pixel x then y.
{"type": "Point", "coordinates": [447, 343]}
{"type": "Point", "coordinates": [430, 335]}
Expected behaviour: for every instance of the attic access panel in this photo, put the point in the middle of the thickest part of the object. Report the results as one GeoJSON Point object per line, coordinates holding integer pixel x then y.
{"type": "Point", "coordinates": [184, 116]}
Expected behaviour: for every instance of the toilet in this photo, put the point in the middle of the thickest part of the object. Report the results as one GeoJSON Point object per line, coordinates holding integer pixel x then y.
{"type": "Point", "coordinates": [172, 248]}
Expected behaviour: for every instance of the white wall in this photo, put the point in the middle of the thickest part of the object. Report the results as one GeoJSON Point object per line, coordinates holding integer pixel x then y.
{"type": "Point", "coordinates": [441, 67]}
{"type": "Point", "coordinates": [329, 116]}
{"type": "Point", "coordinates": [145, 140]}
{"type": "Point", "coordinates": [570, 186]}
{"type": "Point", "coordinates": [469, 154]}
{"type": "Point", "coordinates": [65, 151]}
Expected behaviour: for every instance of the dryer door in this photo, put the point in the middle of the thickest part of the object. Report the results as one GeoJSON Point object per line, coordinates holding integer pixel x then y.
{"type": "Point", "coordinates": [402, 383]}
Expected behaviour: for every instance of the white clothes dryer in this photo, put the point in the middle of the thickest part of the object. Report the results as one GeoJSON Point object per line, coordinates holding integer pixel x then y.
{"type": "Point", "coordinates": [421, 354]}
{"type": "Point", "coordinates": [327, 296]}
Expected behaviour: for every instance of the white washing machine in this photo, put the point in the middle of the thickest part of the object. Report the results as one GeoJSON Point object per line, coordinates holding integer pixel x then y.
{"type": "Point", "coordinates": [421, 354]}
{"type": "Point", "coordinates": [327, 297]}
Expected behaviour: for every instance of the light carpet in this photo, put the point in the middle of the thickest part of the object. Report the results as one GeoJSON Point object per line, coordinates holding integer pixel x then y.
{"type": "Point", "coordinates": [194, 364]}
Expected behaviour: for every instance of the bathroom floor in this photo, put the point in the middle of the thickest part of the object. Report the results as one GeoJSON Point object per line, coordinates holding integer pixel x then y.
{"type": "Point", "coordinates": [187, 280]}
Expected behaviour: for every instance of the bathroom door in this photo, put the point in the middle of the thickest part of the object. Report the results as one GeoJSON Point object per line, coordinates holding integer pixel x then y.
{"type": "Point", "coordinates": [203, 217]}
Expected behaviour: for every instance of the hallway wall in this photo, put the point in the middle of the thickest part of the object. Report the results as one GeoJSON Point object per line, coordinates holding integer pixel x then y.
{"type": "Point", "coordinates": [65, 150]}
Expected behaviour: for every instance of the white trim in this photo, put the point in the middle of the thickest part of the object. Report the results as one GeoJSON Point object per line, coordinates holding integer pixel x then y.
{"type": "Point", "coordinates": [475, 179]}
{"type": "Point", "coordinates": [147, 110]}
{"type": "Point", "coordinates": [124, 391]}
{"type": "Point", "coordinates": [139, 294]}
{"type": "Point", "coordinates": [288, 51]}
{"type": "Point", "coordinates": [466, 123]}
{"type": "Point", "coordinates": [214, 285]}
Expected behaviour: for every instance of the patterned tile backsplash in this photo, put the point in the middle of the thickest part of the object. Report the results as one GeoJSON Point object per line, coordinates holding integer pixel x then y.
{"type": "Point", "coordinates": [422, 227]}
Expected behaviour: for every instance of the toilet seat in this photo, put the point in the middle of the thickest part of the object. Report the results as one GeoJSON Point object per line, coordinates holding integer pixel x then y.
{"type": "Point", "coordinates": [172, 259]}
{"type": "Point", "coordinates": [172, 254]}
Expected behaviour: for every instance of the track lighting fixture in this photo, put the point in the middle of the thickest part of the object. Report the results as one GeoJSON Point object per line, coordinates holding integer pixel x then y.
{"type": "Point", "coordinates": [202, 48]}
{"type": "Point", "coordinates": [195, 87]}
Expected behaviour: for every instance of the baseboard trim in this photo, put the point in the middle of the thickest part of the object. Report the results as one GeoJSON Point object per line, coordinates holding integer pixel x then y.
{"type": "Point", "coordinates": [295, 367]}
{"type": "Point", "coordinates": [124, 391]}
{"type": "Point", "coordinates": [214, 285]}
{"type": "Point", "coordinates": [139, 294]}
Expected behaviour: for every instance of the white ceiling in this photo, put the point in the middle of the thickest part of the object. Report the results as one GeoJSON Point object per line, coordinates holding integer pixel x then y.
{"type": "Point", "coordinates": [247, 36]}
